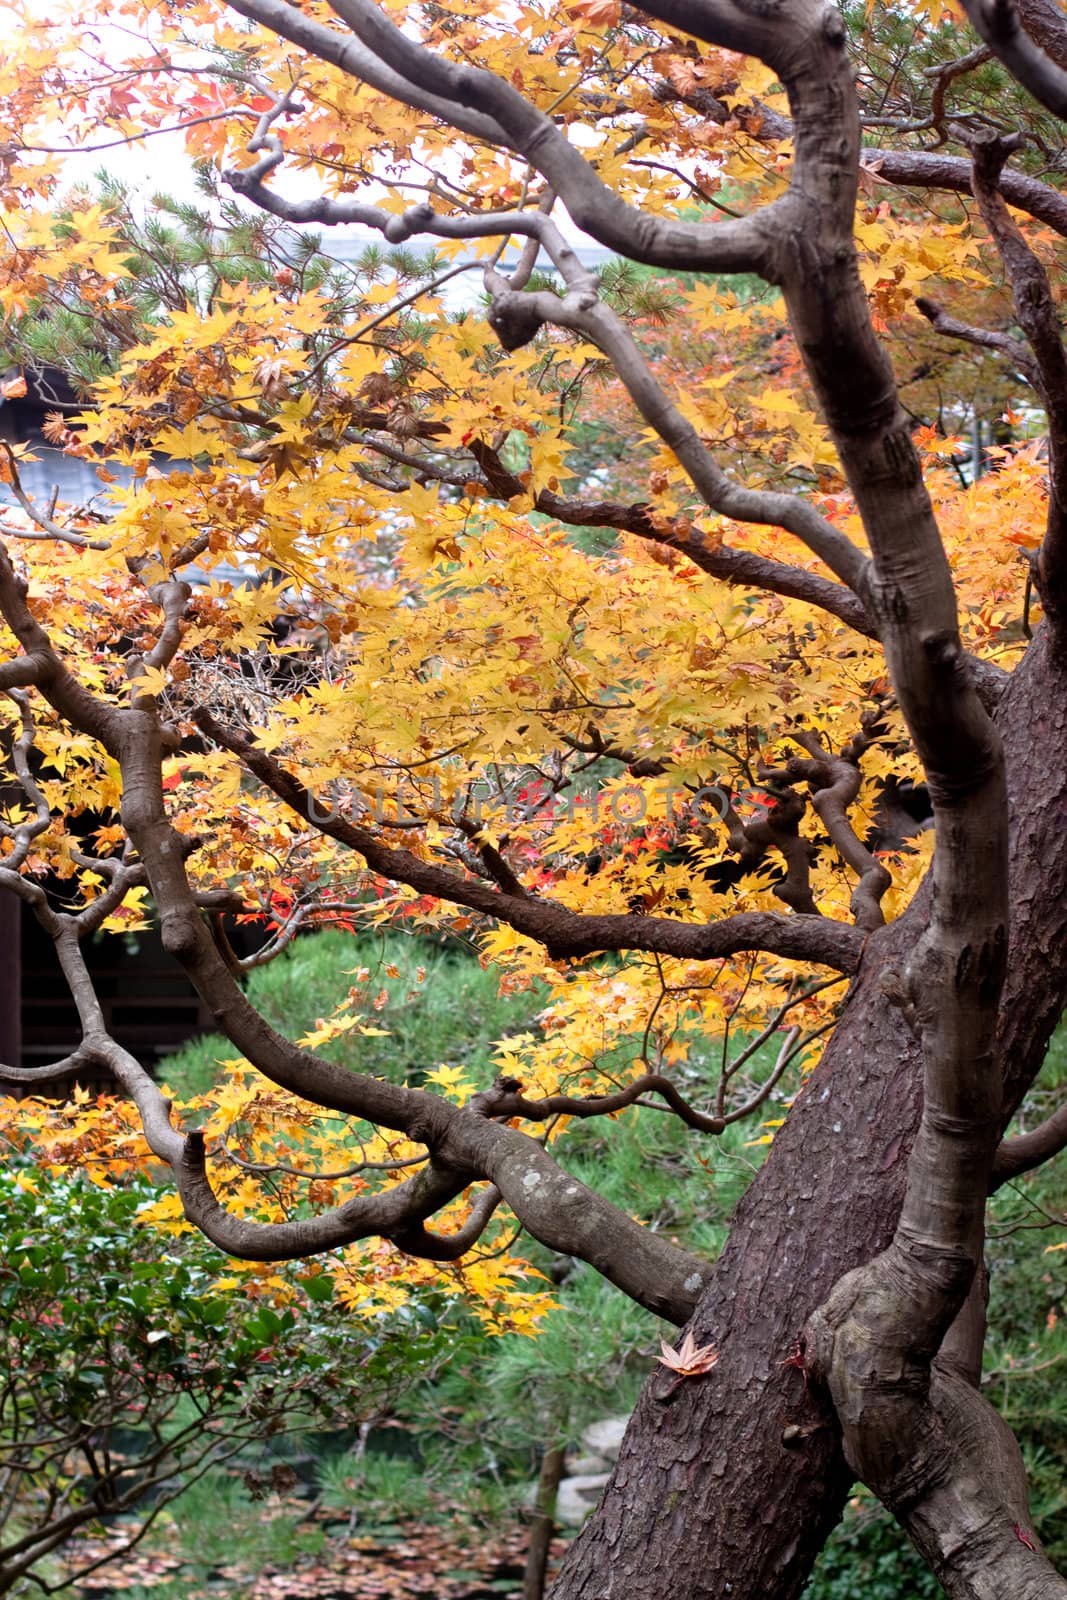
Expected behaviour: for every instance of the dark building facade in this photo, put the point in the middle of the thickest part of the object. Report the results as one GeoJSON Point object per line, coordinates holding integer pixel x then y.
{"type": "Point", "coordinates": [149, 1005]}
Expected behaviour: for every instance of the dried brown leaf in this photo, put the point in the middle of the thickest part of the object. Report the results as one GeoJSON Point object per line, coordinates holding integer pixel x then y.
{"type": "Point", "coordinates": [690, 1360]}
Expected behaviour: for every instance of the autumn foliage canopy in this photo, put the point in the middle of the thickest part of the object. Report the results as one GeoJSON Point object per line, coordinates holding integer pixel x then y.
{"type": "Point", "coordinates": [433, 579]}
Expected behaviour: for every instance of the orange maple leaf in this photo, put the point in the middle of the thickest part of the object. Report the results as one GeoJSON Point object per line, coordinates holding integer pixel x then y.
{"type": "Point", "coordinates": [598, 13]}
{"type": "Point", "coordinates": [690, 1359]}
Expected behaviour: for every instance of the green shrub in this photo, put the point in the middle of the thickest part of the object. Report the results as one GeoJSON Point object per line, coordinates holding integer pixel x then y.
{"type": "Point", "coordinates": [868, 1558]}
{"type": "Point", "coordinates": [441, 1006]}
{"type": "Point", "coordinates": [1026, 1352]}
{"type": "Point", "coordinates": [375, 1486]}
{"type": "Point", "coordinates": [129, 1370]}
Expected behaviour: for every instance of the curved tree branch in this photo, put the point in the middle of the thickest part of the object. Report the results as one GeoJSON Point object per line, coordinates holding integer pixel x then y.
{"type": "Point", "coordinates": [23, 834]}
{"type": "Point", "coordinates": [563, 932]}
{"type": "Point", "coordinates": [483, 106]}
{"type": "Point", "coordinates": [725, 562]}
{"type": "Point", "coordinates": [54, 1074]}
{"type": "Point", "coordinates": [557, 1209]}
{"type": "Point", "coordinates": [835, 782]}
{"type": "Point", "coordinates": [419, 1241]}
{"type": "Point", "coordinates": [505, 1100]}
{"type": "Point", "coordinates": [1003, 344]}
{"type": "Point", "coordinates": [1030, 1150]}
{"type": "Point", "coordinates": [516, 316]}
{"type": "Point", "coordinates": [1038, 317]}
{"type": "Point", "coordinates": [999, 24]}
{"type": "Point", "coordinates": [390, 1212]}
{"type": "Point", "coordinates": [44, 526]}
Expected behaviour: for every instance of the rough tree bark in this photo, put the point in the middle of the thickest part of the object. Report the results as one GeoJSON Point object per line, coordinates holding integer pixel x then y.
{"type": "Point", "coordinates": [733, 1484]}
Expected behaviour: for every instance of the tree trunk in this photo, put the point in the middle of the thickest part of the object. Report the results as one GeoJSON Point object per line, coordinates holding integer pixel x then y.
{"type": "Point", "coordinates": [543, 1523]}
{"type": "Point", "coordinates": [728, 1485]}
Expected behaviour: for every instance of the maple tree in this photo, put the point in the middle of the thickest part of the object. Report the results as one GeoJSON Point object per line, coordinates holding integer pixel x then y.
{"type": "Point", "coordinates": [434, 697]}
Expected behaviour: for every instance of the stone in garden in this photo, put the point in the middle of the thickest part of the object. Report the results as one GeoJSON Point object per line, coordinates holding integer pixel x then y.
{"type": "Point", "coordinates": [587, 1466]}
{"type": "Point", "coordinates": [604, 1438]}
{"type": "Point", "coordinates": [577, 1497]}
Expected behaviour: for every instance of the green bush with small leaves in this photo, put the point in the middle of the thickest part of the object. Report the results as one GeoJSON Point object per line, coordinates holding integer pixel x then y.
{"type": "Point", "coordinates": [129, 1368]}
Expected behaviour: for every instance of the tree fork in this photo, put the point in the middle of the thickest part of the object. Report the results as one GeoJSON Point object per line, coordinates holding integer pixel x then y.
{"type": "Point", "coordinates": [716, 1487]}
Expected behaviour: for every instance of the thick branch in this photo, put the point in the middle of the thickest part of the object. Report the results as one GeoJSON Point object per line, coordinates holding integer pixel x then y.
{"type": "Point", "coordinates": [929, 169]}
{"type": "Point", "coordinates": [55, 1073]}
{"type": "Point", "coordinates": [483, 106]}
{"type": "Point", "coordinates": [1046, 25]}
{"type": "Point", "coordinates": [875, 1337]}
{"type": "Point", "coordinates": [574, 1220]}
{"type": "Point", "coordinates": [564, 933]}
{"type": "Point", "coordinates": [1029, 1150]}
{"type": "Point", "coordinates": [21, 671]}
